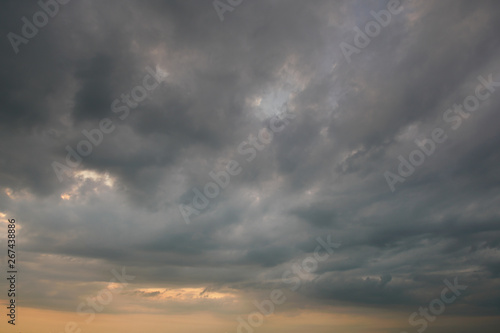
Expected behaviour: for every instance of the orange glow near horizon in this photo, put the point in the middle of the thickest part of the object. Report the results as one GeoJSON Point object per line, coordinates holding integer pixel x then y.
{"type": "Point", "coordinates": [30, 320]}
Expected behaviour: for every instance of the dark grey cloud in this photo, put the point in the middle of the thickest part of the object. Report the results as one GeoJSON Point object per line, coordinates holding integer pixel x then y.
{"type": "Point", "coordinates": [323, 174]}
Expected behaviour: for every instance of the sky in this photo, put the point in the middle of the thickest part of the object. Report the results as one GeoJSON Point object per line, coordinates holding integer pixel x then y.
{"type": "Point", "coordinates": [250, 166]}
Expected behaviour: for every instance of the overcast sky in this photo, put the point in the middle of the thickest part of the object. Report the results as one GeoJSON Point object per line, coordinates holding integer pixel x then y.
{"type": "Point", "coordinates": [317, 123]}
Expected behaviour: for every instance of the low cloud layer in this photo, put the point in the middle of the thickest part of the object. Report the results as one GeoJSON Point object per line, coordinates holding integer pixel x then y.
{"type": "Point", "coordinates": [322, 174]}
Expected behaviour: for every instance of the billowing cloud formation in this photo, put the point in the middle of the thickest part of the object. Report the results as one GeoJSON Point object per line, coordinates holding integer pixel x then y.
{"type": "Point", "coordinates": [322, 174]}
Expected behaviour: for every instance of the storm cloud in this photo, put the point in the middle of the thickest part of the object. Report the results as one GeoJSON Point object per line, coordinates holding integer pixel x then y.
{"type": "Point", "coordinates": [322, 174]}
